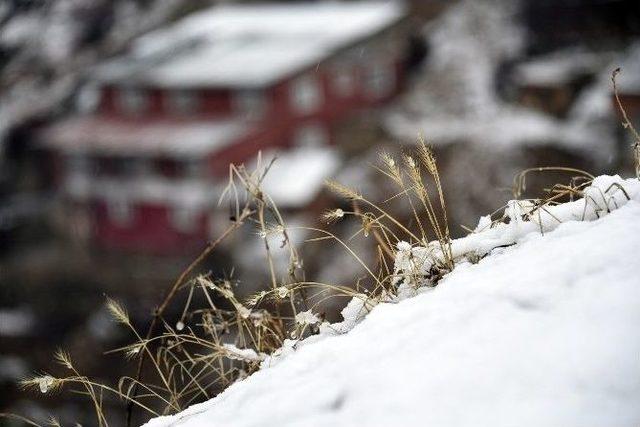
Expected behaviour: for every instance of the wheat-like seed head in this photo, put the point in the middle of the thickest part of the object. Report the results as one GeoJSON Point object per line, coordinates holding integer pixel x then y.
{"type": "Point", "coordinates": [413, 170]}
{"type": "Point", "coordinates": [392, 167]}
{"type": "Point", "coordinates": [45, 383]}
{"type": "Point", "coordinates": [63, 358]}
{"type": "Point", "coordinates": [343, 190]}
{"type": "Point", "coordinates": [134, 350]}
{"type": "Point", "coordinates": [117, 311]}
{"type": "Point", "coordinates": [53, 421]}
{"type": "Point", "coordinates": [427, 157]}
{"type": "Point", "coordinates": [272, 230]}
{"type": "Point", "coordinates": [332, 216]}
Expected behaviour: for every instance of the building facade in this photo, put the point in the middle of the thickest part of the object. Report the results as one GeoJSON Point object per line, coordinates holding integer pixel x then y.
{"type": "Point", "coordinates": [144, 168]}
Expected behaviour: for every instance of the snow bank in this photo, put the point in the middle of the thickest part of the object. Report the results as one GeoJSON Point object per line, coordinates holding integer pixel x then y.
{"type": "Point", "coordinates": [543, 332]}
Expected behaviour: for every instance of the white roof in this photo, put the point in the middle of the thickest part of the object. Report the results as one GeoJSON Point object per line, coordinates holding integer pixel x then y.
{"type": "Point", "coordinates": [561, 67]}
{"type": "Point", "coordinates": [248, 45]}
{"type": "Point", "coordinates": [175, 138]}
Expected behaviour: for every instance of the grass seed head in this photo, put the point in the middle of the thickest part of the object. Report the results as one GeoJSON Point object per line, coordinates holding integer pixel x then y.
{"type": "Point", "coordinates": [63, 358]}
{"type": "Point", "coordinates": [117, 311]}
{"type": "Point", "coordinates": [332, 216]}
{"type": "Point", "coordinates": [343, 190]}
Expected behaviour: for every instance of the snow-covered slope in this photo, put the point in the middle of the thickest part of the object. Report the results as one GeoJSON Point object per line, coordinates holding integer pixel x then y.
{"type": "Point", "coordinates": [542, 333]}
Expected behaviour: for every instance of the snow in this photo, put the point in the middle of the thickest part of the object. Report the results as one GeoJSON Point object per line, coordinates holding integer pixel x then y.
{"type": "Point", "coordinates": [629, 78]}
{"type": "Point", "coordinates": [249, 45]}
{"type": "Point", "coordinates": [504, 128]}
{"type": "Point", "coordinates": [542, 332]}
{"type": "Point", "coordinates": [16, 322]}
{"type": "Point", "coordinates": [606, 193]}
{"type": "Point", "coordinates": [560, 67]}
{"type": "Point", "coordinates": [306, 318]}
{"type": "Point", "coordinates": [173, 138]}
{"type": "Point", "coordinates": [247, 354]}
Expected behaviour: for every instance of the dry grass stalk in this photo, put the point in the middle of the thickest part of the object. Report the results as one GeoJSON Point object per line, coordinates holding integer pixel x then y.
{"type": "Point", "coordinates": [626, 123]}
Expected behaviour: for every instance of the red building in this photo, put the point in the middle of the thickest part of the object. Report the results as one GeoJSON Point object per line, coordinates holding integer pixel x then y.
{"type": "Point", "coordinates": [142, 171]}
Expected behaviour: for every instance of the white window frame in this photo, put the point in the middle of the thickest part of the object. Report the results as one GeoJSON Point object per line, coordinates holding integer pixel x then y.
{"type": "Point", "coordinates": [89, 98]}
{"type": "Point", "coordinates": [311, 135]}
{"type": "Point", "coordinates": [306, 94]}
{"type": "Point", "coordinates": [182, 102]}
{"type": "Point", "coordinates": [343, 80]}
{"type": "Point", "coordinates": [120, 211]}
{"type": "Point", "coordinates": [134, 101]}
{"type": "Point", "coordinates": [183, 218]}
{"type": "Point", "coordinates": [250, 103]}
{"type": "Point", "coordinates": [379, 79]}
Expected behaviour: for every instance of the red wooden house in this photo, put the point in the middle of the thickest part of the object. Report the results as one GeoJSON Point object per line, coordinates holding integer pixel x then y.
{"type": "Point", "coordinates": [142, 170]}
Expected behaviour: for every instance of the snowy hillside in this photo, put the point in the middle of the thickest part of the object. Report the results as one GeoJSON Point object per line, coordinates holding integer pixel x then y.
{"type": "Point", "coordinates": [540, 333]}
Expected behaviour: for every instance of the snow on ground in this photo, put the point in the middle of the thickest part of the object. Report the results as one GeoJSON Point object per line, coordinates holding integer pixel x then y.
{"type": "Point", "coordinates": [541, 333]}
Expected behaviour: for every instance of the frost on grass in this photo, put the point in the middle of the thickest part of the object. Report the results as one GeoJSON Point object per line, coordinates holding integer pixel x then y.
{"type": "Point", "coordinates": [306, 318]}
{"type": "Point", "coordinates": [521, 217]}
{"type": "Point", "coordinates": [246, 354]}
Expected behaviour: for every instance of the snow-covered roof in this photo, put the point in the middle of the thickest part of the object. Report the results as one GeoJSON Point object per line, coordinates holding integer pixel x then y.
{"type": "Point", "coordinates": [176, 138]}
{"type": "Point", "coordinates": [249, 45]}
{"type": "Point", "coordinates": [505, 128]}
{"type": "Point", "coordinates": [560, 67]}
{"type": "Point", "coordinates": [297, 176]}
{"type": "Point", "coordinates": [452, 103]}
{"type": "Point", "coordinates": [540, 333]}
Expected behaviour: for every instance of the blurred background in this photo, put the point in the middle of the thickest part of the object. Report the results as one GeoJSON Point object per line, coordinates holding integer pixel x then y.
{"type": "Point", "coordinates": [118, 119]}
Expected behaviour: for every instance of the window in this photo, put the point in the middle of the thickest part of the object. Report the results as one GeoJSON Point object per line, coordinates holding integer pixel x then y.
{"type": "Point", "coordinates": [183, 218]}
{"type": "Point", "coordinates": [182, 102]}
{"type": "Point", "coordinates": [88, 98]}
{"type": "Point", "coordinates": [80, 170]}
{"type": "Point", "coordinates": [167, 168]}
{"type": "Point", "coordinates": [132, 100]}
{"type": "Point", "coordinates": [251, 104]}
{"type": "Point", "coordinates": [128, 166]}
{"type": "Point", "coordinates": [78, 164]}
{"type": "Point", "coordinates": [379, 80]}
{"type": "Point", "coordinates": [311, 135]}
{"type": "Point", "coordinates": [192, 168]}
{"type": "Point", "coordinates": [140, 167]}
{"type": "Point", "coordinates": [342, 80]}
{"type": "Point", "coordinates": [120, 211]}
{"type": "Point", "coordinates": [306, 95]}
